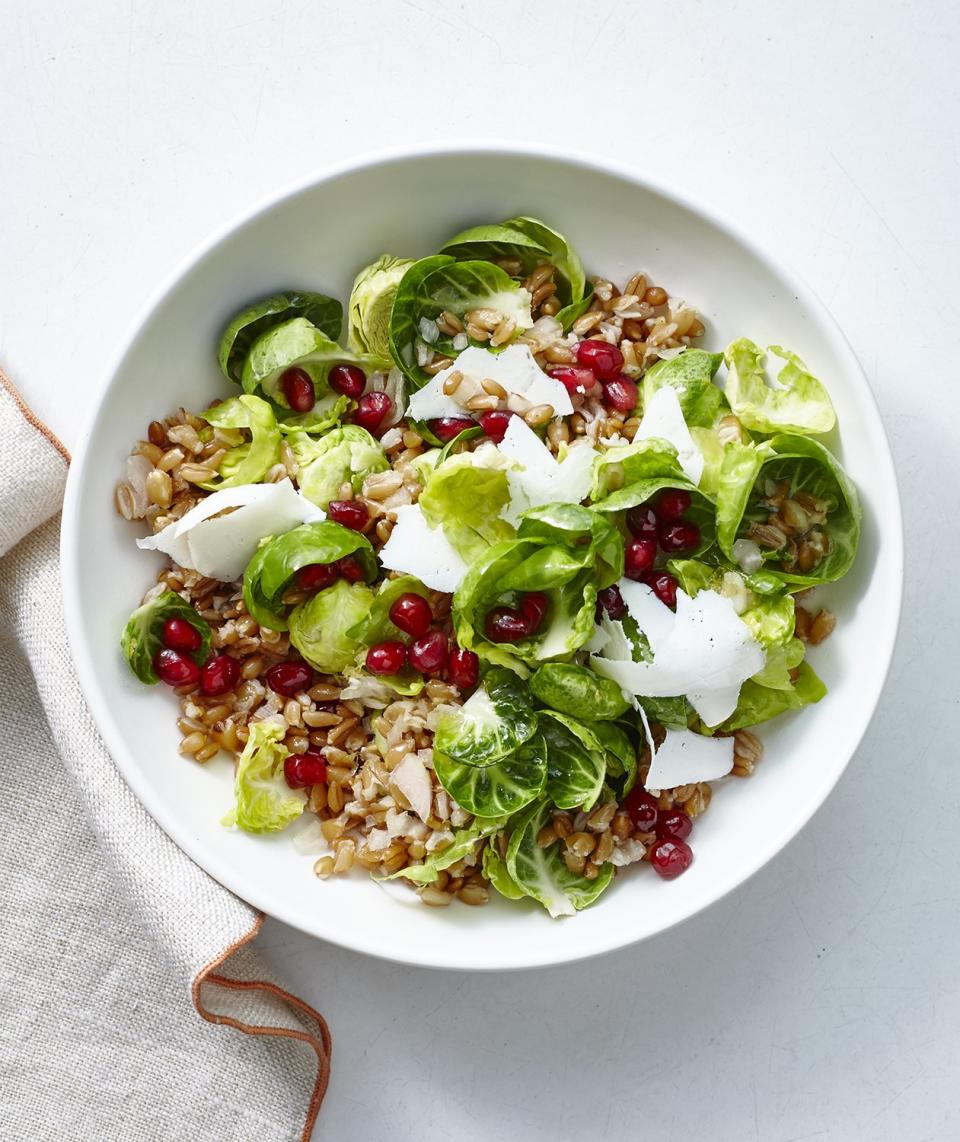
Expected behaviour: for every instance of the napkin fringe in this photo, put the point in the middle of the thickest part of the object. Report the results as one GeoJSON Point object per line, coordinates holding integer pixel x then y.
{"type": "Point", "coordinates": [319, 1042]}
{"type": "Point", "coordinates": [31, 417]}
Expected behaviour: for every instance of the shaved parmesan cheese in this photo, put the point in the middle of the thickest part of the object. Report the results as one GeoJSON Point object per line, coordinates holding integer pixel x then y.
{"type": "Point", "coordinates": [411, 779]}
{"type": "Point", "coordinates": [686, 758]}
{"type": "Point", "coordinates": [540, 478]}
{"type": "Point", "coordinates": [651, 616]}
{"type": "Point", "coordinates": [704, 651]}
{"type": "Point", "coordinates": [417, 549]}
{"type": "Point", "coordinates": [663, 419]}
{"type": "Point", "coordinates": [221, 547]}
{"type": "Point", "coordinates": [514, 368]}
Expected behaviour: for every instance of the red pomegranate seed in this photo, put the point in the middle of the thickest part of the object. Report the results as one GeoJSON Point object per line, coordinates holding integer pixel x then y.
{"type": "Point", "coordinates": [178, 634]}
{"type": "Point", "coordinates": [289, 678]}
{"type": "Point", "coordinates": [504, 624]}
{"type": "Point", "coordinates": [673, 823]}
{"type": "Point", "coordinates": [219, 675]}
{"type": "Point", "coordinates": [429, 653]}
{"type": "Point", "coordinates": [175, 668]}
{"type": "Point", "coordinates": [351, 569]}
{"type": "Point", "coordinates": [316, 576]}
{"type": "Point", "coordinates": [412, 614]}
{"type": "Point", "coordinates": [348, 513]}
{"type": "Point", "coordinates": [301, 770]}
{"type": "Point", "coordinates": [638, 557]}
{"type": "Point", "coordinates": [495, 423]}
{"type": "Point", "coordinates": [612, 602]}
{"type": "Point", "coordinates": [621, 394]}
{"type": "Point", "coordinates": [348, 380]}
{"type": "Point", "coordinates": [642, 522]}
{"type": "Point", "coordinates": [574, 380]}
{"type": "Point", "coordinates": [298, 389]}
{"type": "Point", "coordinates": [601, 358]}
{"type": "Point", "coordinates": [386, 657]}
{"type": "Point", "coordinates": [677, 537]}
{"type": "Point", "coordinates": [371, 410]}
{"type": "Point", "coordinates": [446, 428]}
{"type": "Point", "coordinates": [533, 607]}
{"type": "Point", "coordinates": [463, 668]}
{"type": "Point", "coordinates": [670, 857]}
{"type": "Point", "coordinates": [641, 809]}
{"type": "Point", "coordinates": [664, 587]}
{"type": "Point", "coordinates": [671, 504]}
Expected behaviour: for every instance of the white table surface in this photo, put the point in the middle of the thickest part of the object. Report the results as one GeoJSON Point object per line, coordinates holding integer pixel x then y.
{"type": "Point", "coordinates": [820, 1000]}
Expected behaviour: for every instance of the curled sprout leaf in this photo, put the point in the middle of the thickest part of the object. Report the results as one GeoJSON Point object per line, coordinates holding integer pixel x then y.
{"type": "Point", "coordinates": [438, 285]}
{"type": "Point", "coordinates": [143, 635]}
{"type": "Point", "coordinates": [371, 303]}
{"type": "Point", "coordinates": [797, 403]}
{"type": "Point", "coordinates": [249, 462]}
{"type": "Point", "coordinates": [320, 628]}
{"type": "Point", "coordinates": [326, 313]}
{"type": "Point", "coordinates": [462, 845]}
{"type": "Point", "coordinates": [500, 789]}
{"type": "Point", "coordinates": [263, 802]}
{"type": "Point", "coordinates": [575, 690]}
{"type": "Point", "coordinates": [494, 721]}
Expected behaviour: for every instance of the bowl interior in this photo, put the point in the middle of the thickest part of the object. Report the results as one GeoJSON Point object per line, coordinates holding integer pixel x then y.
{"type": "Point", "coordinates": [317, 238]}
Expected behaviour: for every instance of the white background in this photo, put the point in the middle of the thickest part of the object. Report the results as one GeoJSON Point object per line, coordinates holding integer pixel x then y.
{"type": "Point", "coordinates": [821, 1000]}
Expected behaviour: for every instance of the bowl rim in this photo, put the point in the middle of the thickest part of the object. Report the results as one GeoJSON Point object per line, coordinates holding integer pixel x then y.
{"type": "Point", "coordinates": [70, 538]}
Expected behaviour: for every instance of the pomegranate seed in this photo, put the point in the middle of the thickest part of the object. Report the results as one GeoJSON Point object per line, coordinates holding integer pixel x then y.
{"type": "Point", "coordinates": [671, 504]}
{"type": "Point", "coordinates": [642, 522]}
{"type": "Point", "coordinates": [664, 587]}
{"type": "Point", "coordinates": [574, 380]}
{"type": "Point", "coordinates": [495, 423]}
{"type": "Point", "coordinates": [503, 624]}
{"type": "Point", "coordinates": [676, 537]}
{"type": "Point", "coordinates": [601, 358]}
{"type": "Point", "coordinates": [412, 614]}
{"type": "Point", "coordinates": [386, 657]}
{"type": "Point", "coordinates": [298, 389]}
{"type": "Point", "coordinates": [351, 569]}
{"type": "Point", "coordinates": [446, 428]}
{"type": "Point", "coordinates": [175, 668]}
{"type": "Point", "coordinates": [670, 857]}
{"type": "Point", "coordinates": [316, 576]}
{"type": "Point", "coordinates": [463, 668]}
{"type": "Point", "coordinates": [429, 653]}
{"type": "Point", "coordinates": [533, 607]}
{"type": "Point", "coordinates": [348, 513]}
{"type": "Point", "coordinates": [371, 410]}
{"type": "Point", "coordinates": [348, 380]}
{"type": "Point", "coordinates": [641, 809]}
{"type": "Point", "coordinates": [673, 823]}
{"type": "Point", "coordinates": [612, 602]}
{"type": "Point", "coordinates": [219, 675]}
{"type": "Point", "coordinates": [621, 394]}
{"type": "Point", "coordinates": [289, 678]}
{"type": "Point", "coordinates": [178, 634]}
{"type": "Point", "coordinates": [638, 557]}
{"type": "Point", "coordinates": [301, 770]}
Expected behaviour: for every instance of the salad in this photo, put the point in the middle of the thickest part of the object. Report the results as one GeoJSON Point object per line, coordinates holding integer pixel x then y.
{"type": "Point", "coordinates": [484, 595]}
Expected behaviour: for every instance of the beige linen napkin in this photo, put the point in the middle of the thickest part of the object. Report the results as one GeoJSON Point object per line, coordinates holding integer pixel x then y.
{"type": "Point", "coordinates": [112, 942]}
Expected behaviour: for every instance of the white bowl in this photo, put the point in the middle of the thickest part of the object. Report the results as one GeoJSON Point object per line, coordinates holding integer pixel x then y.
{"type": "Point", "coordinates": [317, 236]}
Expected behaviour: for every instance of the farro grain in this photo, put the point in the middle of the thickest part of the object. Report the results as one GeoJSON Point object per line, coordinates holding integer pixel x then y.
{"type": "Point", "coordinates": [539, 414]}
{"type": "Point", "coordinates": [493, 388]}
{"type": "Point", "coordinates": [822, 627]}
{"type": "Point", "coordinates": [581, 843]}
{"type": "Point", "coordinates": [505, 330]}
{"type": "Point", "coordinates": [452, 383]}
{"type": "Point", "coordinates": [574, 861]}
{"type": "Point", "coordinates": [206, 752]}
{"type": "Point", "coordinates": [547, 836]}
{"type": "Point", "coordinates": [473, 894]}
{"type": "Point", "coordinates": [323, 868]}
{"type": "Point", "coordinates": [123, 497]}
{"type": "Point", "coordinates": [156, 432]}
{"type": "Point", "coordinates": [192, 742]}
{"type": "Point", "coordinates": [481, 403]}
{"type": "Point", "coordinates": [435, 897]}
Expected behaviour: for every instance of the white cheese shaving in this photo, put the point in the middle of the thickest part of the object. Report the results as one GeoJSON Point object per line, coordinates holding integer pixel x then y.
{"type": "Point", "coordinates": [221, 547]}
{"type": "Point", "coordinates": [540, 478]}
{"type": "Point", "coordinates": [704, 651]}
{"type": "Point", "coordinates": [417, 549]}
{"type": "Point", "coordinates": [686, 758]}
{"type": "Point", "coordinates": [663, 419]}
{"type": "Point", "coordinates": [514, 368]}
